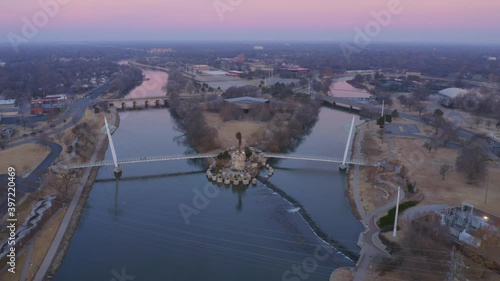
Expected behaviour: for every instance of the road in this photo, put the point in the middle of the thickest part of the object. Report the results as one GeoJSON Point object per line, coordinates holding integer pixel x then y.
{"type": "Point", "coordinates": [32, 182]}
{"type": "Point", "coordinates": [72, 115]}
{"type": "Point", "coordinates": [462, 133]}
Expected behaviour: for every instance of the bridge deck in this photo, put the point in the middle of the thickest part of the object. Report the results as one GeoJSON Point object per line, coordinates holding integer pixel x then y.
{"type": "Point", "coordinates": [317, 158]}
{"type": "Point", "coordinates": [211, 155]}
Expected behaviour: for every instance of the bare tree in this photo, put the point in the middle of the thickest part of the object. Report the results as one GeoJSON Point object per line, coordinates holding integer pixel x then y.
{"type": "Point", "coordinates": [449, 133]}
{"type": "Point", "coordinates": [478, 120]}
{"type": "Point", "coordinates": [438, 122]}
{"type": "Point", "coordinates": [472, 161]}
{"type": "Point", "coordinates": [427, 118]}
{"type": "Point", "coordinates": [64, 181]}
{"type": "Point", "coordinates": [420, 108]}
{"type": "Point", "coordinates": [488, 123]}
{"type": "Point", "coordinates": [444, 169]}
{"type": "Point", "coordinates": [3, 144]}
{"type": "Point", "coordinates": [59, 137]}
{"type": "Point", "coordinates": [429, 144]}
{"type": "Point", "coordinates": [51, 115]}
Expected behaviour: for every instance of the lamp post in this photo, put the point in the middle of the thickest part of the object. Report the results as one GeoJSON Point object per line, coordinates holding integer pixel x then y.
{"type": "Point", "coordinates": [487, 184]}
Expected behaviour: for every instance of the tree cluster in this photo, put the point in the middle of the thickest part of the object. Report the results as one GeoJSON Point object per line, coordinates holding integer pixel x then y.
{"type": "Point", "coordinates": [189, 115]}
{"type": "Point", "coordinates": [288, 124]}
{"type": "Point", "coordinates": [472, 161]}
{"type": "Point", "coordinates": [128, 79]}
{"type": "Point", "coordinates": [485, 102]}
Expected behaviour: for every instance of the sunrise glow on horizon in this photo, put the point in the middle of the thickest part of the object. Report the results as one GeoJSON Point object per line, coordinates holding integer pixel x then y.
{"type": "Point", "coordinates": [423, 20]}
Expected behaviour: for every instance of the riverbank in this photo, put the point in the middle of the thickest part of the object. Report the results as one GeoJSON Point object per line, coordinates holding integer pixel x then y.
{"type": "Point", "coordinates": [61, 252]}
{"type": "Point", "coordinates": [68, 224]}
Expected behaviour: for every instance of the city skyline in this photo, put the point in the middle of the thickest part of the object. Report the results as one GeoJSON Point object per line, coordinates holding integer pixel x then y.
{"type": "Point", "coordinates": [446, 21]}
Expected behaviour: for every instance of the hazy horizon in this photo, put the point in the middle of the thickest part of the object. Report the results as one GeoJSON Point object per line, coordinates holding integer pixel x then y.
{"type": "Point", "coordinates": [425, 21]}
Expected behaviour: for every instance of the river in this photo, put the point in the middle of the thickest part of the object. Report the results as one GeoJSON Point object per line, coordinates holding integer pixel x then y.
{"type": "Point", "coordinates": [135, 227]}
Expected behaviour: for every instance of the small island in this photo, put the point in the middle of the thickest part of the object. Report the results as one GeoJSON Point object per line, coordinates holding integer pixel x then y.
{"type": "Point", "coordinates": [237, 165]}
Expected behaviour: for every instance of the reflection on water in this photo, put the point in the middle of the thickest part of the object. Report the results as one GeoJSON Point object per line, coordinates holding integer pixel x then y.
{"type": "Point", "coordinates": [153, 85]}
{"type": "Point", "coordinates": [340, 88]}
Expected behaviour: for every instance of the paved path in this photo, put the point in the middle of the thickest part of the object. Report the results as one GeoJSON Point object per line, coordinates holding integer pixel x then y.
{"type": "Point", "coordinates": [32, 182]}
{"type": "Point", "coordinates": [369, 242]}
{"type": "Point", "coordinates": [27, 263]}
{"type": "Point", "coordinates": [51, 253]}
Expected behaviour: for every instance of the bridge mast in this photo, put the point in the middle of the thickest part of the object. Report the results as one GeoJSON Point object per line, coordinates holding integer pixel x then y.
{"type": "Point", "coordinates": [118, 170]}
{"type": "Point", "coordinates": [343, 166]}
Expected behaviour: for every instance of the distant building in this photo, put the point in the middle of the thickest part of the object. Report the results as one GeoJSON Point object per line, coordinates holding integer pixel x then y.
{"type": "Point", "coordinates": [2, 64]}
{"type": "Point", "coordinates": [7, 103]}
{"type": "Point", "coordinates": [239, 58]}
{"type": "Point", "coordinates": [410, 73]}
{"type": "Point", "coordinates": [42, 105]}
{"type": "Point", "coordinates": [234, 73]}
{"type": "Point", "coordinates": [452, 92]}
{"type": "Point", "coordinates": [492, 58]}
{"type": "Point", "coordinates": [258, 47]}
{"type": "Point", "coordinates": [359, 71]}
{"type": "Point", "coordinates": [293, 71]}
{"type": "Point", "coordinates": [201, 67]}
{"type": "Point", "coordinates": [247, 102]}
{"type": "Point", "coordinates": [161, 50]}
{"type": "Point", "coordinates": [8, 108]}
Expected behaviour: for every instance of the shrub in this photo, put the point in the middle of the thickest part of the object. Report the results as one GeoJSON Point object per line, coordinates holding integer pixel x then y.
{"type": "Point", "coordinates": [223, 155]}
{"type": "Point", "coordinates": [389, 218]}
{"type": "Point", "coordinates": [248, 152]}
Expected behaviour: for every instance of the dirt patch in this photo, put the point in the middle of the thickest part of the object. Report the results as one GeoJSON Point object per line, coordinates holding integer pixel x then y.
{"type": "Point", "coordinates": [24, 158]}
{"type": "Point", "coordinates": [20, 260]}
{"type": "Point", "coordinates": [226, 131]}
{"type": "Point", "coordinates": [42, 243]}
{"type": "Point", "coordinates": [373, 149]}
{"type": "Point", "coordinates": [342, 274]}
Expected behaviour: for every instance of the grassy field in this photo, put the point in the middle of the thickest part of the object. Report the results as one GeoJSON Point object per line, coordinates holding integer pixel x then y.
{"type": "Point", "coordinates": [226, 131]}
{"type": "Point", "coordinates": [24, 158]}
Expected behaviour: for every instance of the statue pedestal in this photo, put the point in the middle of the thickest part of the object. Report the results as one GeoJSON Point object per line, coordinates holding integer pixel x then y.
{"type": "Point", "coordinates": [238, 161]}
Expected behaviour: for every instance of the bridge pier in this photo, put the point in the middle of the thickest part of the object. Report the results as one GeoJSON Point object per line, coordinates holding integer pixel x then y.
{"type": "Point", "coordinates": [165, 103]}
{"type": "Point", "coordinates": [134, 105]}
{"type": "Point", "coordinates": [146, 104]}
{"type": "Point", "coordinates": [157, 104]}
{"type": "Point", "coordinates": [123, 106]}
{"type": "Point", "coordinates": [118, 172]}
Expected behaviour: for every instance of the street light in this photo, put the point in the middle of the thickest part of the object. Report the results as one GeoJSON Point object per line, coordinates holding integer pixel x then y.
{"type": "Point", "coordinates": [487, 184]}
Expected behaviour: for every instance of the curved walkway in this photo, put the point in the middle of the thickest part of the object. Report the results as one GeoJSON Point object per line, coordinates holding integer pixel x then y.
{"type": "Point", "coordinates": [32, 182]}
{"type": "Point", "coordinates": [369, 242]}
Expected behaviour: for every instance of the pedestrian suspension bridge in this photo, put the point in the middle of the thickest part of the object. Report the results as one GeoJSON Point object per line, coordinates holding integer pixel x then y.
{"type": "Point", "coordinates": [116, 163]}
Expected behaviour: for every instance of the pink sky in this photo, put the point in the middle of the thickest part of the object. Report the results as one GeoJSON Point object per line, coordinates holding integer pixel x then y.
{"type": "Point", "coordinates": [446, 20]}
